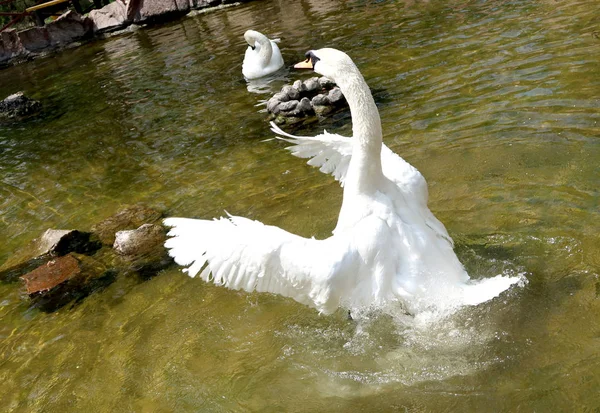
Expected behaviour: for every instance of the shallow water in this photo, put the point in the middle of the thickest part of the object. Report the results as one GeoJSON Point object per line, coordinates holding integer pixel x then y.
{"type": "Point", "coordinates": [496, 103]}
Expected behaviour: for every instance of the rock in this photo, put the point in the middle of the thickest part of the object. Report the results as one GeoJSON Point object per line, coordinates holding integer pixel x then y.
{"type": "Point", "coordinates": [291, 92]}
{"type": "Point", "coordinates": [129, 218]}
{"type": "Point", "coordinates": [153, 11]}
{"type": "Point", "coordinates": [314, 96]}
{"type": "Point", "coordinates": [64, 279]}
{"type": "Point", "coordinates": [288, 106]}
{"type": "Point", "coordinates": [144, 249]}
{"type": "Point", "coordinates": [280, 96]}
{"type": "Point", "coordinates": [18, 105]}
{"type": "Point", "coordinates": [304, 106]}
{"type": "Point", "coordinates": [312, 84]}
{"type": "Point", "coordinates": [335, 95]}
{"type": "Point", "coordinates": [326, 83]}
{"type": "Point", "coordinates": [320, 100]}
{"type": "Point", "coordinates": [35, 39]}
{"type": "Point", "coordinates": [10, 45]}
{"type": "Point", "coordinates": [52, 243]}
{"type": "Point", "coordinates": [201, 4]}
{"type": "Point", "coordinates": [323, 110]}
{"type": "Point", "coordinates": [299, 86]}
{"type": "Point", "coordinates": [61, 242]}
{"type": "Point", "coordinates": [69, 27]}
{"type": "Point", "coordinates": [111, 17]}
{"type": "Point", "coordinates": [139, 241]}
{"type": "Point", "coordinates": [273, 105]}
{"type": "Point", "coordinates": [131, 9]}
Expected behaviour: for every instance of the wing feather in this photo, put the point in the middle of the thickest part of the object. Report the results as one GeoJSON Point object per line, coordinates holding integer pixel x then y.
{"type": "Point", "coordinates": [331, 153]}
{"type": "Point", "coordinates": [240, 253]}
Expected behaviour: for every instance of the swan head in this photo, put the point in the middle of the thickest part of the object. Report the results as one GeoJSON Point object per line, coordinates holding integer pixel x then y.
{"type": "Point", "coordinates": [254, 39]}
{"type": "Point", "coordinates": [331, 63]}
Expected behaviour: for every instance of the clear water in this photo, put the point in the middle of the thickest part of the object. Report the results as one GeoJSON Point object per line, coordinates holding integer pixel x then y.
{"type": "Point", "coordinates": [496, 103]}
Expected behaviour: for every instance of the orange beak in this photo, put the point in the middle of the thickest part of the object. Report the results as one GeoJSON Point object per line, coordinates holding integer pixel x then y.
{"type": "Point", "coordinates": [305, 64]}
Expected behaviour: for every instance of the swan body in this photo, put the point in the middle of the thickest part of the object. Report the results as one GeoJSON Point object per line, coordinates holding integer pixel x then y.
{"type": "Point", "coordinates": [387, 246]}
{"type": "Point", "coordinates": [262, 56]}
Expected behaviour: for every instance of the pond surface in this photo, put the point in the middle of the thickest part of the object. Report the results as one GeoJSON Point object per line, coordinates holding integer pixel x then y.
{"type": "Point", "coordinates": [496, 103]}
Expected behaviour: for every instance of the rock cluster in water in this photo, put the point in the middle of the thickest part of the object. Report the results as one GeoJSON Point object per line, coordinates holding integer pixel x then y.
{"type": "Point", "coordinates": [314, 96]}
{"type": "Point", "coordinates": [18, 106]}
{"type": "Point", "coordinates": [65, 266]}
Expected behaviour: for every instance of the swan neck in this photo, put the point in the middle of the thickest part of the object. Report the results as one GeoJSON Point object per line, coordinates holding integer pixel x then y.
{"type": "Point", "coordinates": [366, 123]}
{"type": "Point", "coordinates": [365, 174]}
{"type": "Point", "coordinates": [265, 50]}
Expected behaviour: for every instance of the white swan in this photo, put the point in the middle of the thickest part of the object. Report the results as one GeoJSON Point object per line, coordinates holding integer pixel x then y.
{"type": "Point", "coordinates": [386, 247]}
{"type": "Point", "coordinates": [262, 56]}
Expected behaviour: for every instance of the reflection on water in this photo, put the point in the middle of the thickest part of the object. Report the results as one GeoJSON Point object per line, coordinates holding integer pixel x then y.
{"type": "Point", "coordinates": [495, 103]}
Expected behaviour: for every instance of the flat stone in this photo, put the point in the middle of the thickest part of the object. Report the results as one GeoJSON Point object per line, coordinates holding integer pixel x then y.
{"type": "Point", "coordinates": [50, 274]}
{"type": "Point", "coordinates": [51, 244]}
{"type": "Point", "coordinates": [64, 279]}
{"type": "Point", "coordinates": [129, 218]}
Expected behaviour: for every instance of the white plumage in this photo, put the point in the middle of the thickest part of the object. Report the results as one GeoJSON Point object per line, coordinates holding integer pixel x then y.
{"type": "Point", "coordinates": [387, 246]}
{"type": "Point", "coordinates": [262, 56]}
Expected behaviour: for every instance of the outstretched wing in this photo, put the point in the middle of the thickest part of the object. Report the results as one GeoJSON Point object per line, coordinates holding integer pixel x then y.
{"type": "Point", "coordinates": [331, 153]}
{"type": "Point", "coordinates": [240, 253]}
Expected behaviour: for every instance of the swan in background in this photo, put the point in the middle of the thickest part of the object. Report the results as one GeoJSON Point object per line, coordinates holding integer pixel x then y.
{"type": "Point", "coordinates": [262, 55]}
{"type": "Point", "coordinates": [386, 248]}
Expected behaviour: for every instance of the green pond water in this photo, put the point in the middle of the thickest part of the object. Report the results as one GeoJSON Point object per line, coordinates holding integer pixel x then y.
{"type": "Point", "coordinates": [496, 103]}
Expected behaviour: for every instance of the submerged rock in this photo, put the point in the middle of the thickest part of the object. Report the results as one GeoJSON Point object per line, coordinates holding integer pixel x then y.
{"type": "Point", "coordinates": [64, 279]}
{"type": "Point", "coordinates": [304, 99]}
{"type": "Point", "coordinates": [129, 218]}
{"type": "Point", "coordinates": [53, 243]}
{"type": "Point", "coordinates": [143, 248]}
{"type": "Point", "coordinates": [18, 106]}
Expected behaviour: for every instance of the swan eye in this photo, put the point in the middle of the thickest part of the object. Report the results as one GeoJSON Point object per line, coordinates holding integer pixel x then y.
{"type": "Point", "coordinates": [311, 56]}
{"type": "Point", "coordinates": [252, 47]}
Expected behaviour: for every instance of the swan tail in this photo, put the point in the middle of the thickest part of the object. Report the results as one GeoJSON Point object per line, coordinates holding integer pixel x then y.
{"type": "Point", "coordinates": [436, 226]}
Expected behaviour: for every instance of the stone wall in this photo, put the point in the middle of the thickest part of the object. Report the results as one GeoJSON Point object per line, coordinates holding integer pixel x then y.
{"type": "Point", "coordinates": [66, 29]}
{"type": "Point", "coordinates": [71, 26]}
